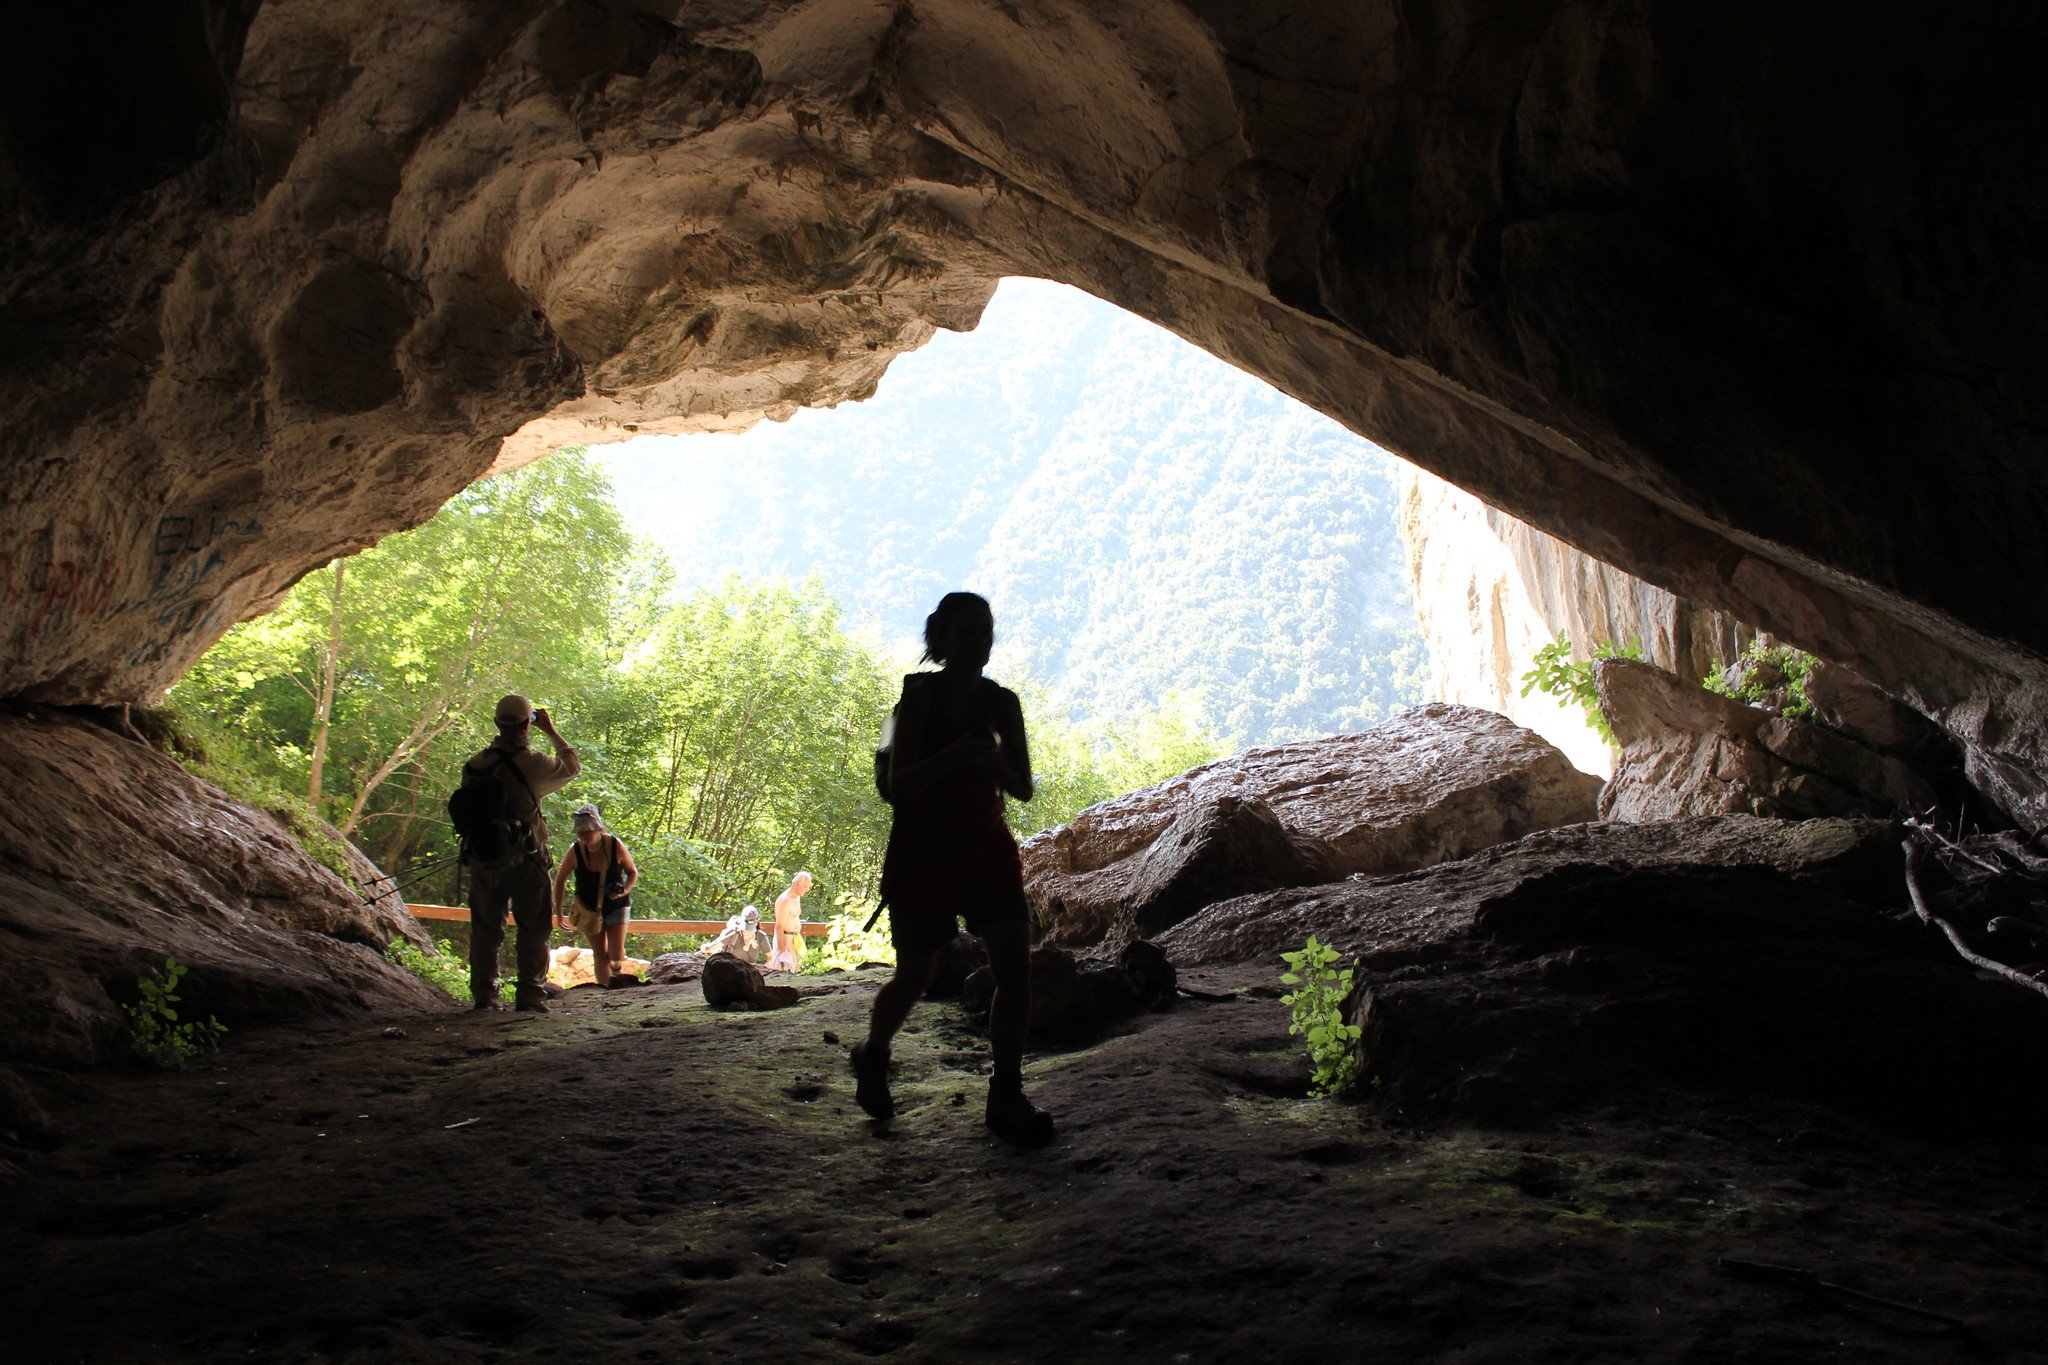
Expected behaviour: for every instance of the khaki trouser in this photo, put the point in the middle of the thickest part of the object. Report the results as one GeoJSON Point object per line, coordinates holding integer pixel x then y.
{"type": "Point", "coordinates": [526, 893]}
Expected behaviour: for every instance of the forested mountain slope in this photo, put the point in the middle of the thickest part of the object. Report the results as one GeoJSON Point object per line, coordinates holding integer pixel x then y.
{"type": "Point", "coordinates": [1148, 521]}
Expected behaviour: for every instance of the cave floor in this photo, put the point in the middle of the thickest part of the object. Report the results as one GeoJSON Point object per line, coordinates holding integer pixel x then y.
{"type": "Point", "coordinates": [635, 1177]}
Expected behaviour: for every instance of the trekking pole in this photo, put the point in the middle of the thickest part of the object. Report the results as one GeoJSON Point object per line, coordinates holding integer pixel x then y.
{"type": "Point", "coordinates": [413, 876]}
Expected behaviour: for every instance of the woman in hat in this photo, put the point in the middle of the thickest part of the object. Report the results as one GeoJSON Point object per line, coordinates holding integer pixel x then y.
{"type": "Point", "coordinates": [604, 873]}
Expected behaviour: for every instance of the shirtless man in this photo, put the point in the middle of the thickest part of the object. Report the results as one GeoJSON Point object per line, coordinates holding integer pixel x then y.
{"type": "Point", "coordinates": [789, 925]}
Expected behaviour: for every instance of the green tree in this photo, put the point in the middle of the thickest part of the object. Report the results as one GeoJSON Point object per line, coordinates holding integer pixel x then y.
{"type": "Point", "coordinates": [737, 746]}
{"type": "Point", "coordinates": [377, 664]}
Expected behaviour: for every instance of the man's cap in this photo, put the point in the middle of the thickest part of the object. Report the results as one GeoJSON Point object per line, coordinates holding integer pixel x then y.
{"type": "Point", "coordinates": [750, 915]}
{"type": "Point", "coordinates": [586, 817]}
{"type": "Point", "coordinates": [513, 709]}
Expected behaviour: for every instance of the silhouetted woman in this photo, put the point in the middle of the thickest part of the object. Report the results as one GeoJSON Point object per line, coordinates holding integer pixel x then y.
{"type": "Point", "coordinates": [958, 746]}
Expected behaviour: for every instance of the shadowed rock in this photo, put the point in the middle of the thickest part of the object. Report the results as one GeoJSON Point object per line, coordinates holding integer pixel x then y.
{"type": "Point", "coordinates": [1073, 999]}
{"type": "Point", "coordinates": [670, 969]}
{"type": "Point", "coordinates": [1412, 913]}
{"type": "Point", "coordinates": [732, 983]}
{"type": "Point", "coordinates": [1732, 955]}
{"type": "Point", "coordinates": [117, 857]}
{"type": "Point", "coordinates": [960, 957]}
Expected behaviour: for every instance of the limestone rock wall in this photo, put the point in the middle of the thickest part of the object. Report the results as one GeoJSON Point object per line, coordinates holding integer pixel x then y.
{"type": "Point", "coordinates": [1745, 308]}
{"type": "Point", "coordinates": [1490, 591]}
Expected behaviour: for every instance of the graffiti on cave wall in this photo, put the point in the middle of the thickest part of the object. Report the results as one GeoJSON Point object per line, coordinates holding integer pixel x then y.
{"type": "Point", "coordinates": [185, 582]}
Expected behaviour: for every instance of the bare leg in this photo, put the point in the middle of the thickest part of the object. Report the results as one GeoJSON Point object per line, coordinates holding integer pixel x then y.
{"type": "Point", "coordinates": [615, 948]}
{"type": "Point", "coordinates": [870, 1058]}
{"type": "Point", "coordinates": [1009, 1114]}
{"type": "Point", "coordinates": [1009, 1012]}
{"type": "Point", "coordinates": [894, 1001]}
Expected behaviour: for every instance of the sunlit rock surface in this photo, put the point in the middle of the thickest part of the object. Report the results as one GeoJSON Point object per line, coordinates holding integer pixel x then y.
{"type": "Point", "coordinates": [118, 858]}
{"type": "Point", "coordinates": [1687, 751]}
{"type": "Point", "coordinates": [1739, 312]}
{"type": "Point", "coordinates": [1436, 782]}
{"type": "Point", "coordinates": [1490, 591]}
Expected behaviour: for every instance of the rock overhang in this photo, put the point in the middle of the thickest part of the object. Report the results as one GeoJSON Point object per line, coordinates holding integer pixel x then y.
{"type": "Point", "coordinates": [1762, 332]}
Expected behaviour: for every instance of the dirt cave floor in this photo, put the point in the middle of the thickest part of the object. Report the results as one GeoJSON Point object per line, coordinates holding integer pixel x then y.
{"type": "Point", "coordinates": [637, 1177]}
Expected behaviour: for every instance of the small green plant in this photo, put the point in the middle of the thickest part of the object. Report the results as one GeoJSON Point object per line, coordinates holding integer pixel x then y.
{"type": "Point", "coordinates": [1772, 677]}
{"type": "Point", "coordinates": [153, 1019]}
{"type": "Point", "coordinates": [1317, 1000]}
{"type": "Point", "coordinates": [1556, 674]}
{"type": "Point", "coordinates": [443, 967]}
{"type": "Point", "coordinates": [846, 944]}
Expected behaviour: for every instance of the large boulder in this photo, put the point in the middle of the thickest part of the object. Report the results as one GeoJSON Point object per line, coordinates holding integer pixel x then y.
{"type": "Point", "coordinates": [672, 969]}
{"type": "Point", "coordinates": [1687, 751]}
{"type": "Point", "coordinates": [117, 858]}
{"type": "Point", "coordinates": [1438, 781]}
{"type": "Point", "coordinates": [1404, 916]}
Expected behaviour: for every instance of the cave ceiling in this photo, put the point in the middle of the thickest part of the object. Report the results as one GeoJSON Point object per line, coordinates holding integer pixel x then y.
{"type": "Point", "coordinates": [1747, 302]}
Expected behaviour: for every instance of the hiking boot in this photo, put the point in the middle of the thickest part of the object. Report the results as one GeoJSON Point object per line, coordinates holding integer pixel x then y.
{"type": "Point", "coordinates": [871, 1083]}
{"type": "Point", "coordinates": [534, 1005]}
{"type": "Point", "coordinates": [1015, 1119]}
{"type": "Point", "coordinates": [486, 1006]}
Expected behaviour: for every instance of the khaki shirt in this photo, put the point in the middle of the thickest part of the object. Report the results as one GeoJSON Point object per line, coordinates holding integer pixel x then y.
{"type": "Point", "coordinates": [544, 773]}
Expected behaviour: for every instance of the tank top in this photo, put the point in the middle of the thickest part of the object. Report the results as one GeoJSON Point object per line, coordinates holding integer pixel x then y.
{"type": "Point", "coordinates": [590, 882]}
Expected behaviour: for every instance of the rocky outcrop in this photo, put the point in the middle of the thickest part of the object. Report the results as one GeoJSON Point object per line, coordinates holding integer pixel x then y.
{"type": "Point", "coordinates": [670, 969]}
{"type": "Point", "coordinates": [1735, 956]}
{"type": "Point", "coordinates": [1216, 844]}
{"type": "Point", "coordinates": [1490, 591]}
{"type": "Point", "coordinates": [1738, 317]}
{"type": "Point", "coordinates": [1688, 751]}
{"type": "Point", "coordinates": [1385, 919]}
{"type": "Point", "coordinates": [1073, 1000]}
{"type": "Point", "coordinates": [118, 858]}
{"type": "Point", "coordinates": [1436, 782]}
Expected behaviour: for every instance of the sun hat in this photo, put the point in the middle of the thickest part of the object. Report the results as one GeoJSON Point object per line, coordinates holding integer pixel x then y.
{"type": "Point", "coordinates": [586, 817]}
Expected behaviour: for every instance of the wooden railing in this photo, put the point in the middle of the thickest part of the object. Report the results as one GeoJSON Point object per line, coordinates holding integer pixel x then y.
{"type": "Point", "coordinates": [811, 928]}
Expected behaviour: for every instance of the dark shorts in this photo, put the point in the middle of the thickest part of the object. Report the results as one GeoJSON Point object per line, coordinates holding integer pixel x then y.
{"type": "Point", "coordinates": [921, 929]}
{"type": "Point", "coordinates": [617, 912]}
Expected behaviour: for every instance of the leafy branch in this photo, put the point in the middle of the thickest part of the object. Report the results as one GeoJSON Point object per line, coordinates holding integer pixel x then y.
{"type": "Point", "coordinates": [1557, 674]}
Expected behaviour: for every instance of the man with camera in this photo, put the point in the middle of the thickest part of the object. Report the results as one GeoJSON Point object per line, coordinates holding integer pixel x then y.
{"type": "Point", "coordinates": [521, 883]}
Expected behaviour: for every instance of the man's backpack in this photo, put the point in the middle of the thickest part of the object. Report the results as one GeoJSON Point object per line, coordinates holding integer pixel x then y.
{"type": "Point", "coordinates": [495, 838]}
